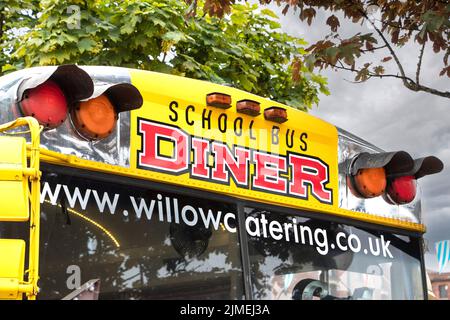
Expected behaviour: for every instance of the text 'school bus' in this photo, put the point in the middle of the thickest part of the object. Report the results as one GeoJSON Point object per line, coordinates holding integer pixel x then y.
{"type": "Point", "coordinates": [142, 185]}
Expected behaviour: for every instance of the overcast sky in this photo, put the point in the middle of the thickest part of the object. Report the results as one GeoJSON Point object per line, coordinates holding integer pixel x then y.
{"type": "Point", "coordinates": [385, 113]}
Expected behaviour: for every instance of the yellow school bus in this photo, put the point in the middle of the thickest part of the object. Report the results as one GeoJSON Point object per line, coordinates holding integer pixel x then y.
{"type": "Point", "coordinates": [154, 186]}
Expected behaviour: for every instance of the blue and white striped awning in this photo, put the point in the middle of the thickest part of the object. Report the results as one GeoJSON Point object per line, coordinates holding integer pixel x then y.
{"type": "Point", "coordinates": [443, 254]}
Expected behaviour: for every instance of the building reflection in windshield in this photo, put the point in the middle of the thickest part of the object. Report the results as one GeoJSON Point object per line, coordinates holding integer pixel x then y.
{"type": "Point", "coordinates": [135, 252]}
{"type": "Point", "coordinates": [372, 266]}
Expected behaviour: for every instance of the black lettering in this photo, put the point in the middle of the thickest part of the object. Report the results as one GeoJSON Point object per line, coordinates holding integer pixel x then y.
{"type": "Point", "coordinates": [172, 107]}
{"type": "Point", "coordinates": [275, 132]}
{"type": "Point", "coordinates": [236, 126]}
{"type": "Point", "coordinates": [223, 128]}
{"type": "Point", "coordinates": [290, 139]}
{"type": "Point", "coordinates": [206, 119]}
{"type": "Point", "coordinates": [191, 123]}
{"type": "Point", "coordinates": [251, 131]}
{"type": "Point", "coordinates": [303, 138]}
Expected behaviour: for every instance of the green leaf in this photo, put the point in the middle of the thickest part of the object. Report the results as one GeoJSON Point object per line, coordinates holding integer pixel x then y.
{"type": "Point", "coordinates": [8, 68]}
{"type": "Point", "coordinates": [245, 83]}
{"type": "Point", "coordinates": [159, 22]}
{"type": "Point", "coordinates": [86, 44]}
{"type": "Point", "coordinates": [62, 56]}
{"type": "Point", "coordinates": [127, 29]}
{"type": "Point", "coordinates": [69, 37]}
{"type": "Point", "coordinates": [52, 21]}
{"type": "Point", "coordinates": [273, 24]}
{"type": "Point", "coordinates": [269, 13]}
{"type": "Point", "coordinates": [238, 19]}
{"type": "Point", "coordinates": [174, 36]}
{"type": "Point", "coordinates": [114, 35]}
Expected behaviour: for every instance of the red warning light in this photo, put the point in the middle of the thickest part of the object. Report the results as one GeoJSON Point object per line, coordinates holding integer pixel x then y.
{"type": "Point", "coordinates": [402, 190]}
{"type": "Point", "coordinates": [47, 103]}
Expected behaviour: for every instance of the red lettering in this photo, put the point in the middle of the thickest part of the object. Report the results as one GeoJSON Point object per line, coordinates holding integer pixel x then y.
{"type": "Point", "coordinates": [267, 172]}
{"type": "Point", "coordinates": [200, 166]}
{"type": "Point", "coordinates": [308, 171]}
{"type": "Point", "coordinates": [237, 164]}
{"type": "Point", "coordinates": [296, 175]}
{"type": "Point", "coordinates": [152, 134]}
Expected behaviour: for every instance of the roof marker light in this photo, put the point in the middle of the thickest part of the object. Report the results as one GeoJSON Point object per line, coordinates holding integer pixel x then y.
{"type": "Point", "coordinates": [275, 114]}
{"type": "Point", "coordinates": [249, 107]}
{"type": "Point", "coordinates": [218, 100]}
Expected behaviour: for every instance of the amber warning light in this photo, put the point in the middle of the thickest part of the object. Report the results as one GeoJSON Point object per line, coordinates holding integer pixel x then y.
{"type": "Point", "coordinates": [250, 107]}
{"type": "Point", "coordinates": [96, 117]}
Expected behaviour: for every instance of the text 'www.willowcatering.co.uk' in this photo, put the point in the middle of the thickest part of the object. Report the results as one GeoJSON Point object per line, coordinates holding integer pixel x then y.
{"type": "Point", "coordinates": [168, 209]}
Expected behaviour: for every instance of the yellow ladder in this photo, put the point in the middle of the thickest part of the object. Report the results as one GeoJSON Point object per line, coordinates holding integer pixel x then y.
{"type": "Point", "coordinates": [19, 196]}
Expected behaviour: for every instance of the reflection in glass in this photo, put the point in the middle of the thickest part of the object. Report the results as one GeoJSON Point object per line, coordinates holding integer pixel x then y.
{"type": "Point", "coordinates": [309, 262]}
{"type": "Point", "coordinates": [131, 239]}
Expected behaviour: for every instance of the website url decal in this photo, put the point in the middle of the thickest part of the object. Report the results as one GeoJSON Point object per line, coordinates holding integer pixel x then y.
{"type": "Point", "coordinates": [168, 209]}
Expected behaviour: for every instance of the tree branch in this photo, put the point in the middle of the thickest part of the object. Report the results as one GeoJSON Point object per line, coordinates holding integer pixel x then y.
{"type": "Point", "coordinates": [397, 27]}
{"type": "Point", "coordinates": [419, 63]}
{"type": "Point", "coordinates": [371, 74]}
{"type": "Point", "coordinates": [408, 82]}
{"type": "Point", "coordinates": [445, 94]}
{"type": "Point", "coordinates": [397, 61]}
{"type": "Point", "coordinates": [373, 49]}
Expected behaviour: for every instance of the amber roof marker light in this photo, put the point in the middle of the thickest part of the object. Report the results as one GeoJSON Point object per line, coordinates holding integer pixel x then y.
{"type": "Point", "coordinates": [249, 107]}
{"type": "Point", "coordinates": [275, 114]}
{"type": "Point", "coordinates": [367, 172]}
{"type": "Point", "coordinates": [218, 100]}
{"type": "Point", "coordinates": [47, 94]}
{"type": "Point", "coordinates": [95, 118]}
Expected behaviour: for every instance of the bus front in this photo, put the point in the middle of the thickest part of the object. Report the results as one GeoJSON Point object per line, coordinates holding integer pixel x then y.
{"type": "Point", "coordinates": [163, 187]}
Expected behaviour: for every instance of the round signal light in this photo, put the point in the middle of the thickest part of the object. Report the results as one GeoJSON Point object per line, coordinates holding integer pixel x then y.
{"type": "Point", "coordinates": [96, 118]}
{"type": "Point", "coordinates": [369, 182]}
{"type": "Point", "coordinates": [47, 103]}
{"type": "Point", "coordinates": [402, 190]}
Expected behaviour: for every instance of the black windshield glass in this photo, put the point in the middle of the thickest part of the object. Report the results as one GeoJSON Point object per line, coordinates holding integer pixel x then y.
{"type": "Point", "coordinates": [293, 257]}
{"type": "Point", "coordinates": [140, 243]}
